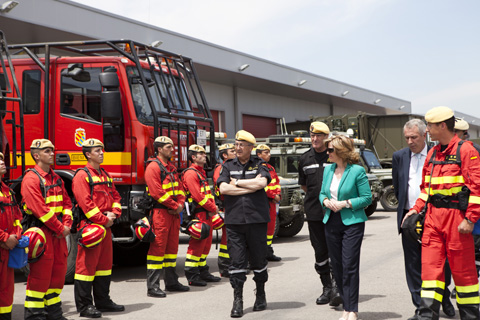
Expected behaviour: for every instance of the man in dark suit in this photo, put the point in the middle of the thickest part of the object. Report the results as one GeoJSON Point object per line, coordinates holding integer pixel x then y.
{"type": "Point", "coordinates": [407, 167]}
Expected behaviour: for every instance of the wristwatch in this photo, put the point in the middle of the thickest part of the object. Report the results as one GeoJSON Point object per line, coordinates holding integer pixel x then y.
{"type": "Point", "coordinates": [468, 220]}
{"type": "Point", "coordinates": [236, 183]}
{"type": "Point", "coordinates": [348, 204]}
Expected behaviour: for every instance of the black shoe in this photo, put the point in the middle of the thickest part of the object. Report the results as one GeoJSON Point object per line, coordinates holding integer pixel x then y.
{"type": "Point", "coordinates": [177, 287]}
{"type": "Point", "coordinates": [274, 258]}
{"type": "Point", "coordinates": [208, 277]}
{"type": "Point", "coordinates": [197, 283]}
{"type": "Point", "coordinates": [448, 308]}
{"type": "Point", "coordinates": [336, 299]}
{"type": "Point", "coordinates": [225, 274]}
{"type": "Point", "coordinates": [415, 317]}
{"type": "Point", "coordinates": [237, 309]}
{"type": "Point", "coordinates": [325, 296]}
{"type": "Point", "coordinates": [91, 312]}
{"type": "Point", "coordinates": [156, 293]}
{"type": "Point", "coordinates": [111, 307]}
{"type": "Point", "coordinates": [260, 303]}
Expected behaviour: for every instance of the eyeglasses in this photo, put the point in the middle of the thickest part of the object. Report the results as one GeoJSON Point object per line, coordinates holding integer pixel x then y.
{"type": "Point", "coordinates": [330, 150]}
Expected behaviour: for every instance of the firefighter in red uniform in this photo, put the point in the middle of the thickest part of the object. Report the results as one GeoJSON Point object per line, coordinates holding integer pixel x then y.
{"type": "Point", "coordinates": [451, 191]}
{"type": "Point", "coordinates": [10, 231]}
{"type": "Point", "coordinates": [273, 191]}
{"type": "Point", "coordinates": [100, 201]}
{"type": "Point", "coordinates": [200, 195]}
{"type": "Point", "coordinates": [50, 208]}
{"type": "Point", "coordinates": [165, 187]}
{"type": "Point", "coordinates": [226, 151]}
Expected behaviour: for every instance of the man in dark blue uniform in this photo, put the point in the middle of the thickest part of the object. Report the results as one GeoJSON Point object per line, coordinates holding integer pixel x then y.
{"type": "Point", "coordinates": [310, 176]}
{"type": "Point", "coordinates": [242, 181]}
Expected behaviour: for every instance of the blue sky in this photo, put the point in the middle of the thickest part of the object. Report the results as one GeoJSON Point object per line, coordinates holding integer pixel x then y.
{"type": "Point", "coordinates": [423, 51]}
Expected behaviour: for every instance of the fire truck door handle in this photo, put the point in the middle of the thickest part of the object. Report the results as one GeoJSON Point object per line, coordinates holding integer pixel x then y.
{"type": "Point", "coordinates": [62, 159]}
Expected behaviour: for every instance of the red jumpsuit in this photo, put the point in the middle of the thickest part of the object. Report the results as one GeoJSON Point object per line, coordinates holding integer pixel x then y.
{"type": "Point", "coordinates": [272, 189]}
{"type": "Point", "coordinates": [168, 194]}
{"type": "Point", "coordinates": [10, 217]}
{"type": "Point", "coordinates": [47, 275]}
{"type": "Point", "coordinates": [223, 257]}
{"type": "Point", "coordinates": [94, 265]}
{"type": "Point", "coordinates": [441, 238]}
{"type": "Point", "coordinates": [199, 192]}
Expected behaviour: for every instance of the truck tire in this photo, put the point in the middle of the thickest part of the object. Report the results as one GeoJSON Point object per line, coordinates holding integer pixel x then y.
{"type": "Point", "coordinates": [293, 227]}
{"type": "Point", "coordinates": [388, 200]}
{"type": "Point", "coordinates": [277, 227]}
{"type": "Point", "coordinates": [371, 208]}
{"type": "Point", "coordinates": [72, 248]}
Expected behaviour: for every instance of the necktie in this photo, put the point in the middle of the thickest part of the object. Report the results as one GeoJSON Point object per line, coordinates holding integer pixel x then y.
{"type": "Point", "coordinates": [418, 157]}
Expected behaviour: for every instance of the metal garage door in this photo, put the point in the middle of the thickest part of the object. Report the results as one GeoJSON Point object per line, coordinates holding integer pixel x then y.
{"type": "Point", "coordinates": [260, 127]}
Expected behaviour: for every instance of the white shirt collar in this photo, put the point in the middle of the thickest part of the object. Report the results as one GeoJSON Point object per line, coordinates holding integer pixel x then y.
{"type": "Point", "coordinates": [423, 152]}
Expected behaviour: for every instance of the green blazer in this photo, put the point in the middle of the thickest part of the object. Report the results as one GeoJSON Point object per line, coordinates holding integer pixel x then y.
{"type": "Point", "coordinates": [354, 187]}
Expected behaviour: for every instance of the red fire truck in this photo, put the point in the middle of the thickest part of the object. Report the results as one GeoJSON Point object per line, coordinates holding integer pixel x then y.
{"type": "Point", "coordinates": [122, 92]}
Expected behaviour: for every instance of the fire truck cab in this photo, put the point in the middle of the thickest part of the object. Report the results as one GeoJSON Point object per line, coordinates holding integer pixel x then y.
{"type": "Point", "coordinates": [121, 92]}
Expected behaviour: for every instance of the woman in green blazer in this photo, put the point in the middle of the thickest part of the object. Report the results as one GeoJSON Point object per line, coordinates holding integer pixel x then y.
{"type": "Point", "coordinates": [345, 193]}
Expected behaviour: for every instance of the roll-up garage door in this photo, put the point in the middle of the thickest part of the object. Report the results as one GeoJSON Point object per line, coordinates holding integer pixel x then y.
{"type": "Point", "coordinates": [260, 127]}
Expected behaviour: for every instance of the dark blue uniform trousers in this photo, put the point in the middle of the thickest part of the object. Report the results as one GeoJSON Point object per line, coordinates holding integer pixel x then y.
{"type": "Point", "coordinates": [344, 244]}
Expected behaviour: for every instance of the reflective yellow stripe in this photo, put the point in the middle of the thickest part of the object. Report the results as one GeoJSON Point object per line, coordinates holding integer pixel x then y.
{"type": "Point", "coordinates": [191, 264]}
{"type": "Point", "coordinates": [448, 179]}
{"type": "Point", "coordinates": [101, 273]}
{"type": "Point", "coordinates": [447, 192]}
{"type": "Point", "coordinates": [57, 209]}
{"type": "Point", "coordinates": [433, 284]}
{"type": "Point", "coordinates": [427, 179]}
{"type": "Point", "coordinates": [35, 294]}
{"type": "Point", "coordinates": [58, 198]}
{"type": "Point", "coordinates": [269, 242]}
{"type": "Point", "coordinates": [6, 309]}
{"type": "Point", "coordinates": [154, 258]}
{"type": "Point", "coordinates": [47, 216]}
{"type": "Point", "coordinates": [469, 300]}
{"type": "Point", "coordinates": [180, 192]}
{"type": "Point", "coordinates": [109, 158]}
{"type": "Point", "coordinates": [269, 237]}
{"type": "Point", "coordinates": [164, 198]}
{"type": "Point", "coordinates": [208, 196]}
{"type": "Point", "coordinates": [423, 196]}
{"type": "Point", "coordinates": [82, 277]}
{"type": "Point", "coordinates": [195, 258]}
{"type": "Point", "coordinates": [202, 263]}
{"type": "Point", "coordinates": [224, 255]}
{"type": "Point", "coordinates": [170, 256]}
{"type": "Point", "coordinates": [154, 266]}
{"type": "Point", "coordinates": [474, 199]}
{"type": "Point", "coordinates": [467, 289]}
{"type": "Point", "coordinates": [57, 291]}
{"type": "Point", "coordinates": [116, 205]}
{"type": "Point", "coordinates": [49, 302]}
{"type": "Point", "coordinates": [16, 223]}
{"type": "Point", "coordinates": [92, 212]}
{"type": "Point", "coordinates": [223, 246]}
{"type": "Point", "coordinates": [35, 304]}
{"type": "Point", "coordinates": [431, 294]}
{"type": "Point", "coordinates": [169, 185]}
{"type": "Point", "coordinates": [67, 212]}
{"type": "Point", "coordinates": [170, 264]}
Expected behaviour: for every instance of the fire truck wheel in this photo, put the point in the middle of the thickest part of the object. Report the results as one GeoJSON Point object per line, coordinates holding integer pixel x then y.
{"type": "Point", "coordinates": [72, 248]}
{"type": "Point", "coordinates": [130, 254]}
{"type": "Point", "coordinates": [388, 200]}
{"type": "Point", "coordinates": [371, 208]}
{"type": "Point", "coordinates": [293, 227]}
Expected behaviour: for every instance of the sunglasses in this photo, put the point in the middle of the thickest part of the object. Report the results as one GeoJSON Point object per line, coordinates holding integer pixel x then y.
{"type": "Point", "coordinates": [330, 150]}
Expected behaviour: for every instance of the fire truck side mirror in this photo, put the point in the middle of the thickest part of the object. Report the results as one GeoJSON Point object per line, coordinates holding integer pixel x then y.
{"type": "Point", "coordinates": [110, 97]}
{"type": "Point", "coordinates": [76, 72]}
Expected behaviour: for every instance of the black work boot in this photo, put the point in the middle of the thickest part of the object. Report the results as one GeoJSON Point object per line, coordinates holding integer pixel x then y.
{"type": "Point", "coordinates": [153, 283]}
{"type": "Point", "coordinates": [237, 309]}
{"type": "Point", "coordinates": [327, 288]}
{"type": "Point", "coordinates": [205, 275]}
{"type": "Point", "coordinates": [335, 297]}
{"type": "Point", "coordinates": [171, 281]}
{"type": "Point", "coordinates": [260, 300]}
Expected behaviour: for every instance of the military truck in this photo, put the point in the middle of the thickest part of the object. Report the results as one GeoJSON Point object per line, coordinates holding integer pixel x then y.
{"type": "Point", "coordinates": [382, 135]}
{"type": "Point", "coordinates": [286, 151]}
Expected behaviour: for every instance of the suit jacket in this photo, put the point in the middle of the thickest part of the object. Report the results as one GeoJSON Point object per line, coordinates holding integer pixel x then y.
{"type": "Point", "coordinates": [400, 174]}
{"type": "Point", "coordinates": [354, 187]}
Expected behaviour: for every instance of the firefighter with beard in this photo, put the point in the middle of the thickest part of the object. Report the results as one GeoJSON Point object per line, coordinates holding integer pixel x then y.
{"type": "Point", "coordinates": [98, 198]}
{"type": "Point", "coordinates": [226, 151]}
{"type": "Point", "coordinates": [10, 232]}
{"type": "Point", "coordinates": [166, 189]}
{"type": "Point", "coordinates": [199, 194]}
{"type": "Point", "coordinates": [273, 191]}
{"type": "Point", "coordinates": [49, 207]}
{"type": "Point", "coordinates": [450, 194]}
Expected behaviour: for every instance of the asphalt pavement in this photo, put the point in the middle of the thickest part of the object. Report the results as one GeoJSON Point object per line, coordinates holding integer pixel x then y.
{"type": "Point", "coordinates": [292, 288]}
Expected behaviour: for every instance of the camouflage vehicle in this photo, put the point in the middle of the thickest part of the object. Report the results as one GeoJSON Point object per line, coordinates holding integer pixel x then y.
{"type": "Point", "coordinates": [286, 151]}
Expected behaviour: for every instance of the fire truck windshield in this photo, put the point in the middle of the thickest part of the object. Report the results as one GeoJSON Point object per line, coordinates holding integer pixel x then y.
{"type": "Point", "coordinates": [168, 93]}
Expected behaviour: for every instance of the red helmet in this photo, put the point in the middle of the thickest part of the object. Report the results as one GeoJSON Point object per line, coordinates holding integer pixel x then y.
{"type": "Point", "coordinates": [198, 230]}
{"type": "Point", "coordinates": [37, 243]}
{"type": "Point", "coordinates": [141, 228]}
{"type": "Point", "coordinates": [217, 222]}
{"type": "Point", "coordinates": [91, 235]}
